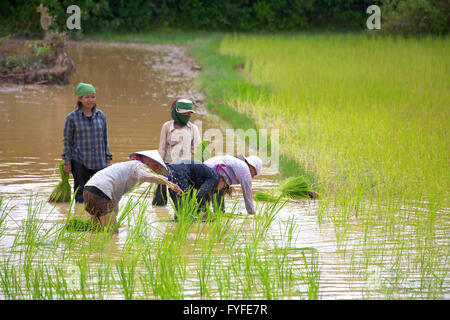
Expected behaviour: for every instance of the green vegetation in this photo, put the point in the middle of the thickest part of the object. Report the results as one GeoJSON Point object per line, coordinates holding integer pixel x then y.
{"type": "Point", "coordinates": [364, 119]}
{"type": "Point", "coordinates": [145, 15]}
{"type": "Point", "coordinates": [248, 16]}
{"type": "Point", "coordinates": [290, 188]}
{"type": "Point", "coordinates": [368, 117]}
{"type": "Point", "coordinates": [62, 191]}
{"type": "Point", "coordinates": [364, 114]}
{"type": "Point", "coordinates": [226, 258]}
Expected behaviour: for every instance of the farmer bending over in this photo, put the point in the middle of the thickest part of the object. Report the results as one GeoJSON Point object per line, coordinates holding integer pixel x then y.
{"type": "Point", "coordinates": [194, 174]}
{"type": "Point", "coordinates": [241, 170]}
{"type": "Point", "coordinates": [104, 190]}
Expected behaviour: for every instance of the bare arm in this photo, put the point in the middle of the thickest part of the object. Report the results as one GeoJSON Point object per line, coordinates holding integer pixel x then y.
{"type": "Point", "coordinates": [146, 175]}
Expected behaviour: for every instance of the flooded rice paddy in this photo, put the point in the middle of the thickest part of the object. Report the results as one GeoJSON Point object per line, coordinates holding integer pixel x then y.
{"type": "Point", "coordinates": [290, 253]}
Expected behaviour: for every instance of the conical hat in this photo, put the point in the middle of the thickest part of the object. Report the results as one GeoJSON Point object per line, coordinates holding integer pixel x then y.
{"type": "Point", "coordinates": [152, 154]}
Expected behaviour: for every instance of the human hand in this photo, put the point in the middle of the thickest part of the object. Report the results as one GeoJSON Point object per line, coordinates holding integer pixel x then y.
{"type": "Point", "coordinates": [67, 168]}
{"type": "Point", "coordinates": [177, 189]}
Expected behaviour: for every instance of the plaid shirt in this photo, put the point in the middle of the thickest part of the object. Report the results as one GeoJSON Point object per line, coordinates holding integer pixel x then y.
{"type": "Point", "coordinates": [86, 139]}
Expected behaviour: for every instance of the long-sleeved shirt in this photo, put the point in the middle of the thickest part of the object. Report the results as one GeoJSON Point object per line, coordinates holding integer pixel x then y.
{"type": "Point", "coordinates": [86, 139]}
{"type": "Point", "coordinates": [195, 174]}
{"type": "Point", "coordinates": [177, 144]}
{"type": "Point", "coordinates": [119, 178]}
{"type": "Point", "coordinates": [242, 176]}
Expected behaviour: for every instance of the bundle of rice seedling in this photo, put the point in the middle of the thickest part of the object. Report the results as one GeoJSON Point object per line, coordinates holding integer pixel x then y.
{"type": "Point", "coordinates": [266, 197]}
{"type": "Point", "coordinates": [79, 225]}
{"type": "Point", "coordinates": [62, 192]}
{"type": "Point", "coordinates": [295, 188]}
{"type": "Point", "coordinates": [291, 188]}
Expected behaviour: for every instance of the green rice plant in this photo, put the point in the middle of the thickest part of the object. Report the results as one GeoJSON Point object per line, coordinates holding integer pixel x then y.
{"type": "Point", "coordinates": [290, 188]}
{"type": "Point", "coordinates": [11, 287]}
{"type": "Point", "coordinates": [62, 192]}
{"type": "Point", "coordinates": [4, 213]}
{"type": "Point", "coordinates": [188, 209]}
{"type": "Point", "coordinates": [203, 274]}
{"type": "Point", "coordinates": [202, 151]}
{"type": "Point", "coordinates": [137, 234]}
{"type": "Point", "coordinates": [79, 225]}
{"type": "Point", "coordinates": [165, 272]}
{"type": "Point", "coordinates": [127, 271]}
{"type": "Point", "coordinates": [264, 219]}
{"type": "Point", "coordinates": [312, 273]}
{"type": "Point", "coordinates": [295, 188]}
{"type": "Point", "coordinates": [266, 196]}
{"type": "Point", "coordinates": [33, 231]}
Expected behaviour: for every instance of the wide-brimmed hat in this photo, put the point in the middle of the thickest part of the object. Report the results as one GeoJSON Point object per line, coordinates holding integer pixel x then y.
{"type": "Point", "coordinates": [254, 161]}
{"type": "Point", "coordinates": [152, 154]}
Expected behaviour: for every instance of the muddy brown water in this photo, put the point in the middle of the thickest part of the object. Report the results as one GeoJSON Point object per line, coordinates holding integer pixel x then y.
{"type": "Point", "coordinates": [135, 85]}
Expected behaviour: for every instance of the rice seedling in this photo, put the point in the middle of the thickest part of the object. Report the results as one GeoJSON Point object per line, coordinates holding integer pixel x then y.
{"type": "Point", "coordinates": [62, 192]}
{"type": "Point", "coordinates": [202, 151]}
{"type": "Point", "coordinates": [4, 213]}
{"type": "Point", "coordinates": [292, 188]}
{"type": "Point", "coordinates": [368, 120]}
{"type": "Point", "coordinates": [127, 271]}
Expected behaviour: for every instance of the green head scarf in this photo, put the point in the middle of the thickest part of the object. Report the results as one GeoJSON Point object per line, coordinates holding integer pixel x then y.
{"type": "Point", "coordinates": [182, 105]}
{"type": "Point", "coordinates": [83, 89]}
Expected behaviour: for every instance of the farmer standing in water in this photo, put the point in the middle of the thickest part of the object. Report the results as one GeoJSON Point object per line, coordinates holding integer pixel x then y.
{"type": "Point", "coordinates": [178, 140]}
{"type": "Point", "coordinates": [86, 147]}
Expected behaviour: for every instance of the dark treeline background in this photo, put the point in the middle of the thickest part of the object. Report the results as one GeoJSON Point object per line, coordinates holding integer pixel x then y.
{"type": "Point", "coordinates": [405, 16]}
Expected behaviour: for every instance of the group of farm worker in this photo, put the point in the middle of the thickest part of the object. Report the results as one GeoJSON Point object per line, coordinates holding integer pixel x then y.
{"type": "Point", "coordinates": [100, 185]}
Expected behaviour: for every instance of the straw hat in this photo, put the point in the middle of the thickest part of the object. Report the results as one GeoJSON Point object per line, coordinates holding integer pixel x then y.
{"type": "Point", "coordinates": [152, 154]}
